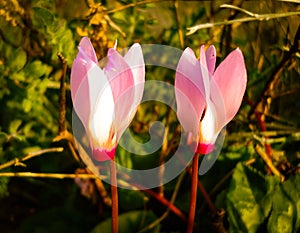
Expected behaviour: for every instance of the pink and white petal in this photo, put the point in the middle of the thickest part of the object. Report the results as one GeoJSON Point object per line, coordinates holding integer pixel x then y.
{"type": "Point", "coordinates": [210, 55]}
{"type": "Point", "coordinates": [123, 88]}
{"type": "Point", "coordinates": [101, 130]}
{"type": "Point", "coordinates": [99, 88]}
{"type": "Point", "coordinates": [85, 60]}
{"type": "Point", "coordinates": [186, 112]}
{"type": "Point", "coordinates": [207, 126]}
{"type": "Point", "coordinates": [189, 91]}
{"type": "Point", "coordinates": [81, 101]}
{"type": "Point", "coordinates": [80, 87]}
{"type": "Point", "coordinates": [217, 101]}
{"type": "Point", "coordinates": [135, 59]}
{"type": "Point", "coordinates": [87, 47]}
{"type": "Point", "coordinates": [101, 124]}
{"type": "Point", "coordinates": [204, 72]}
{"type": "Point", "coordinates": [125, 110]}
{"type": "Point", "coordinates": [230, 80]}
{"type": "Point", "coordinates": [119, 74]}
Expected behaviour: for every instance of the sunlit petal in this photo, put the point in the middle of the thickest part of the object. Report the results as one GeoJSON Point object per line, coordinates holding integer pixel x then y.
{"type": "Point", "coordinates": [230, 80]}
{"type": "Point", "coordinates": [189, 91]}
{"type": "Point", "coordinates": [210, 55]}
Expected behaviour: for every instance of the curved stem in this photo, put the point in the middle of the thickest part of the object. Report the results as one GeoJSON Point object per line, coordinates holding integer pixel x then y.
{"type": "Point", "coordinates": [114, 196]}
{"type": "Point", "coordinates": [193, 199]}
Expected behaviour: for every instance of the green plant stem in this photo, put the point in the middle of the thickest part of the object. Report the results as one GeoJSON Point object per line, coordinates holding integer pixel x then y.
{"type": "Point", "coordinates": [193, 199]}
{"type": "Point", "coordinates": [114, 196]}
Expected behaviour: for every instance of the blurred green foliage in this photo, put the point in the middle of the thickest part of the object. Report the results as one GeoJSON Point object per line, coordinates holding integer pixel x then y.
{"type": "Point", "coordinates": [31, 35]}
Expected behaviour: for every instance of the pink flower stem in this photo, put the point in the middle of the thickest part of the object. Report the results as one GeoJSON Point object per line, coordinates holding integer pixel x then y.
{"type": "Point", "coordinates": [114, 196]}
{"type": "Point", "coordinates": [193, 198]}
{"type": "Point", "coordinates": [205, 195]}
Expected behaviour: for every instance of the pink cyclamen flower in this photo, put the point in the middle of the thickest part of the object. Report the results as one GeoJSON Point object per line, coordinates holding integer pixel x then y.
{"type": "Point", "coordinates": [208, 99]}
{"type": "Point", "coordinates": [106, 100]}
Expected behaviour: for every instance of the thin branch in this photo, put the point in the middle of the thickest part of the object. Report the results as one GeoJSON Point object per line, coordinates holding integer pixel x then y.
{"type": "Point", "coordinates": [239, 9]}
{"type": "Point", "coordinates": [166, 203]}
{"type": "Point", "coordinates": [179, 30]}
{"type": "Point", "coordinates": [62, 96]}
{"type": "Point", "coordinates": [18, 162]}
{"type": "Point", "coordinates": [269, 163]}
{"type": "Point", "coordinates": [50, 175]}
{"type": "Point", "coordinates": [262, 17]}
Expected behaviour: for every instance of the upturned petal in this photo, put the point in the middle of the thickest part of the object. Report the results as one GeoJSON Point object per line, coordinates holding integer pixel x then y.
{"type": "Point", "coordinates": [204, 74]}
{"type": "Point", "coordinates": [123, 88]}
{"type": "Point", "coordinates": [210, 56]}
{"type": "Point", "coordinates": [80, 89]}
{"type": "Point", "coordinates": [189, 92]}
{"type": "Point", "coordinates": [83, 62]}
{"type": "Point", "coordinates": [135, 59]}
{"type": "Point", "coordinates": [228, 87]}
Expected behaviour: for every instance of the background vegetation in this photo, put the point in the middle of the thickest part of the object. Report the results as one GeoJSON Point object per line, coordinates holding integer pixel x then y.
{"type": "Point", "coordinates": [255, 184]}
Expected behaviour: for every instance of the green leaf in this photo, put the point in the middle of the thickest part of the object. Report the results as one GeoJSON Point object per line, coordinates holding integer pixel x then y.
{"type": "Point", "coordinates": [17, 59]}
{"type": "Point", "coordinates": [27, 105]}
{"type": "Point", "coordinates": [42, 17]}
{"type": "Point", "coordinates": [286, 207]}
{"type": "Point", "coordinates": [281, 219]}
{"type": "Point", "coordinates": [3, 186]}
{"type": "Point", "coordinates": [132, 221]}
{"type": "Point", "coordinates": [14, 126]}
{"type": "Point", "coordinates": [37, 69]}
{"type": "Point", "coordinates": [248, 199]}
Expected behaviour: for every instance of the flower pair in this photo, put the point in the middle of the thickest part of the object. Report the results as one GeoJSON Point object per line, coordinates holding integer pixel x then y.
{"type": "Point", "coordinates": [106, 99]}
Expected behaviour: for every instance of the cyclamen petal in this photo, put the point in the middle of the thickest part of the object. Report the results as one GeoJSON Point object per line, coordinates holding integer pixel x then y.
{"type": "Point", "coordinates": [231, 79]}
{"type": "Point", "coordinates": [134, 58]}
{"type": "Point", "coordinates": [98, 96]}
{"type": "Point", "coordinates": [211, 57]}
{"type": "Point", "coordinates": [189, 91]}
{"type": "Point", "coordinates": [223, 92]}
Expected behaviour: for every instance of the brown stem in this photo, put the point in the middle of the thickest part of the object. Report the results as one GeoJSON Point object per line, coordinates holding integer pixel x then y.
{"type": "Point", "coordinates": [114, 196]}
{"type": "Point", "coordinates": [62, 96]}
{"type": "Point", "coordinates": [158, 197]}
{"type": "Point", "coordinates": [167, 203]}
{"type": "Point", "coordinates": [179, 30]}
{"type": "Point", "coordinates": [193, 199]}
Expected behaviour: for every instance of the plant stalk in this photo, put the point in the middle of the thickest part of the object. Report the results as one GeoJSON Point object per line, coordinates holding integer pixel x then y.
{"type": "Point", "coordinates": [114, 196]}
{"type": "Point", "coordinates": [193, 198]}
